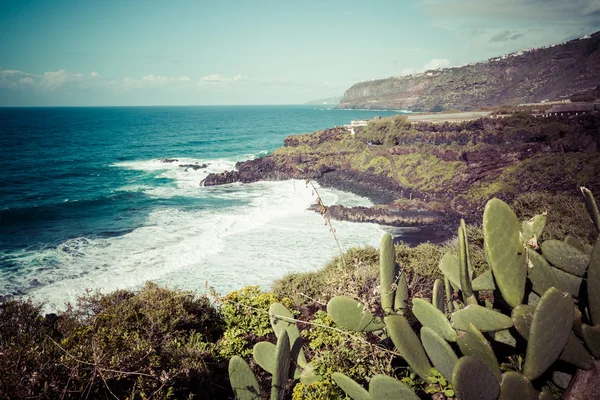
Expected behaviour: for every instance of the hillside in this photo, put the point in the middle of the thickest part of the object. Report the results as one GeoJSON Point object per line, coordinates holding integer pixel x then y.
{"type": "Point", "coordinates": [549, 73]}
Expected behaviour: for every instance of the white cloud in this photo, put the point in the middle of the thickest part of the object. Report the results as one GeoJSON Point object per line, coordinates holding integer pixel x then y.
{"type": "Point", "coordinates": [437, 63]}
{"type": "Point", "coordinates": [26, 81]}
{"type": "Point", "coordinates": [94, 74]}
{"type": "Point", "coordinates": [212, 78]}
{"type": "Point", "coordinates": [185, 79]}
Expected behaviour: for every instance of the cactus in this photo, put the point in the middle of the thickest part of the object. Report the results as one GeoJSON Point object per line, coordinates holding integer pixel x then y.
{"type": "Point", "coordinates": [565, 257]}
{"type": "Point", "coordinates": [309, 375]}
{"type": "Point", "coordinates": [515, 386]}
{"type": "Point", "coordinates": [573, 352]}
{"type": "Point", "coordinates": [401, 297]}
{"type": "Point", "coordinates": [282, 320]}
{"type": "Point", "coordinates": [473, 343]}
{"type": "Point", "coordinates": [408, 344]}
{"type": "Point", "coordinates": [484, 281]}
{"type": "Point", "coordinates": [349, 386]}
{"type": "Point", "coordinates": [243, 382]}
{"type": "Point", "coordinates": [504, 250]}
{"type": "Point", "coordinates": [567, 282]}
{"type": "Point", "coordinates": [350, 314]}
{"type": "Point", "coordinates": [264, 355]}
{"type": "Point", "coordinates": [282, 366]}
{"type": "Point", "coordinates": [593, 284]}
{"type": "Point", "coordinates": [437, 298]}
{"type": "Point", "coordinates": [472, 380]}
{"type": "Point", "coordinates": [439, 351]}
{"type": "Point", "coordinates": [532, 229]}
{"type": "Point", "coordinates": [484, 319]}
{"type": "Point", "coordinates": [550, 328]}
{"type": "Point", "coordinates": [592, 207]}
{"type": "Point", "coordinates": [383, 387]}
{"type": "Point", "coordinates": [388, 272]}
{"type": "Point", "coordinates": [505, 337]}
{"type": "Point", "coordinates": [541, 275]}
{"type": "Point", "coordinates": [591, 337]}
{"type": "Point", "coordinates": [449, 266]}
{"type": "Point", "coordinates": [464, 261]}
{"type": "Point", "coordinates": [561, 379]}
{"type": "Point", "coordinates": [448, 291]}
{"type": "Point", "coordinates": [429, 316]}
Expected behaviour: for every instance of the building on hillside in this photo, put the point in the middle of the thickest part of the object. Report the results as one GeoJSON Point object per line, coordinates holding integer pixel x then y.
{"type": "Point", "coordinates": [355, 124]}
{"type": "Point", "coordinates": [573, 108]}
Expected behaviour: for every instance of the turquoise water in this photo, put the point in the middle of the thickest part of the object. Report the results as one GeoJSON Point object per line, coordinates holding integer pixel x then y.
{"type": "Point", "coordinates": [85, 202]}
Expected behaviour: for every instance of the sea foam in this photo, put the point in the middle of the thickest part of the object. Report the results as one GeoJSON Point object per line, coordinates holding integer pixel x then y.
{"type": "Point", "coordinates": [265, 233]}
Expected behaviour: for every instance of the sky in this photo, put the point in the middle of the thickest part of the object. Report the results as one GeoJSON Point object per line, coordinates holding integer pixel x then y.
{"type": "Point", "coordinates": [121, 52]}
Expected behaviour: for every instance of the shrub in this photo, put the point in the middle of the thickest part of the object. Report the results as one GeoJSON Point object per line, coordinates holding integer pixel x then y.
{"type": "Point", "coordinates": [246, 319]}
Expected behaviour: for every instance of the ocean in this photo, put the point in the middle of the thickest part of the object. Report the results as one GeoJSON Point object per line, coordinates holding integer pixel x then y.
{"type": "Point", "coordinates": [86, 203]}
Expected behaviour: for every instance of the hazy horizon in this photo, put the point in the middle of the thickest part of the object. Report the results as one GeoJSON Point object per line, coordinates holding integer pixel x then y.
{"type": "Point", "coordinates": [236, 53]}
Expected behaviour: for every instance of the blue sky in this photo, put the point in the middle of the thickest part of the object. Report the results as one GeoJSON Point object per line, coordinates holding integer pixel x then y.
{"type": "Point", "coordinates": [255, 52]}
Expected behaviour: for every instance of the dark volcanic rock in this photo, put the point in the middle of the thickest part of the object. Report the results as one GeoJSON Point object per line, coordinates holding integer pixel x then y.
{"type": "Point", "coordinates": [168, 160]}
{"type": "Point", "coordinates": [382, 215]}
{"type": "Point", "coordinates": [193, 166]}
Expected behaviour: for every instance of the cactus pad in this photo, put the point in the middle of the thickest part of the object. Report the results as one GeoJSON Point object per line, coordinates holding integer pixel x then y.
{"type": "Point", "coordinates": [484, 281]}
{"type": "Point", "coordinates": [408, 344]}
{"type": "Point", "coordinates": [591, 337]}
{"type": "Point", "coordinates": [541, 274]}
{"type": "Point", "coordinates": [561, 379]}
{"type": "Point", "coordinates": [549, 332]}
{"type": "Point", "coordinates": [352, 315]}
{"type": "Point", "coordinates": [484, 319]}
{"type": "Point", "coordinates": [522, 317]}
{"type": "Point", "coordinates": [505, 337]}
{"type": "Point", "coordinates": [515, 386]}
{"type": "Point", "coordinates": [383, 387]}
{"type": "Point", "coordinates": [449, 267]}
{"type": "Point", "coordinates": [473, 343]}
{"type": "Point", "coordinates": [350, 387]}
{"type": "Point", "coordinates": [533, 227]}
{"type": "Point", "coordinates": [472, 380]}
{"type": "Point", "coordinates": [565, 257]}
{"type": "Point", "coordinates": [264, 355]}
{"type": "Point", "coordinates": [401, 297]}
{"type": "Point", "coordinates": [243, 382]}
{"type": "Point", "coordinates": [464, 262]}
{"type": "Point", "coordinates": [437, 299]}
{"type": "Point", "coordinates": [429, 315]}
{"type": "Point", "coordinates": [504, 250]}
{"type": "Point", "coordinates": [592, 207]}
{"type": "Point", "coordinates": [593, 284]}
{"type": "Point", "coordinates": [309, 375]}
{"type": "Point", "coordinates": [282, 367]}
{"type": "Point", "coordinates": [282, 320]}
{"type": "Point", "coordinates": [439, 351]}
{"type": "Point", "coordinates": [388, 272]}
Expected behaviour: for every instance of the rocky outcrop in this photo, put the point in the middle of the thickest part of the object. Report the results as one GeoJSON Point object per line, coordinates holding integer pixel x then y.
{"type": "Point", "coordinates": [551, 73]}
{"type": "Point", "coordinates": [195, 167]}
{"type": "Point", "coordinates": [382, 215]}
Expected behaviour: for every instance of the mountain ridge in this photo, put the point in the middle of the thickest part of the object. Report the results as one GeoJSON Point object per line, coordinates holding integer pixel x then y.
{"type": "Point", "coordinates": [548, 73]}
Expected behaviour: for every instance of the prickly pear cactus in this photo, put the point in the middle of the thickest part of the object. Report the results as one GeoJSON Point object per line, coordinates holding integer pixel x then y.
{"type": "Point", "coordinates": [401, 296]}
{"type": "Point", "coordinates": [388, 272]}
{"type": "Point", "coordinates": [450, 268]}
{"type": "Point", "coordinates": [484, 319]}
{"type": "Point", "coordinates": [472, 380]}
{"type": "Point", "coordinates": [350, 314]}
{"type": "Point", "coordinates": [515, 386]}
{"type": "Point", "coordinates": [565, 257]}
{"type": "Point", "coordinates": [439, 351]}
{"type": "Point", "coordinates": [484, 281]}
{"type": "Point", "coordinates": [429, 316]}
{"type": "Point", "coordinates": [591, 206]}
{"type": "Point", "coordinates": [549, 332]}
{"type": "Point", "coordinates": [264, 355]}
{"type": "Point", "coordinates": [408, 344]}
{"type": "Point", "coordinates": [504, 250]}
{"type": "Point", "coordinates": [349, 386]}
{"type": "Point", "coordinates": [591, 336]}
{"type": "Point", "coordinates": [437, 298]}
{"type": "Point", "coordinates": [593, 284]}
{"type": "Point", "coordinates": [464, 260]}
{"type": "Point", "coordinates": [282, 367]}
{"type": "Point", "coordinates": [541, 275]}
{"type": "Point", "coordinates": [473, 343]}
{"type": "Point", "coordinates": [281, 320]}
{"type": "Point", "coordinates": [244, 383]}
{"type": "Point", "coordinates": [533, 228]}
{"type": "Point", "coordinates": [383, 387]}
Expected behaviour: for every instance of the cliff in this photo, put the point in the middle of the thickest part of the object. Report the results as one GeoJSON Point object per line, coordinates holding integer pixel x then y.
{"type": "Point", "coordinates": [549, 73]}
{"type": "Point", "coordinates": [451, 168]}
